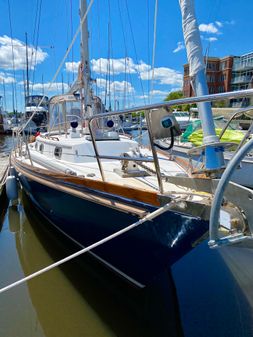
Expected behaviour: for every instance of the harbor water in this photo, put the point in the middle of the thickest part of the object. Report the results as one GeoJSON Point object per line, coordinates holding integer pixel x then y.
{"type": "Point", "coordinates": [205, 293]}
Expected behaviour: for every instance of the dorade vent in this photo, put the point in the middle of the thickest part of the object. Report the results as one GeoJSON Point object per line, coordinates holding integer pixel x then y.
{"type": "Point", "coordinates": [58, 152]}
{"type": "Point", "coordinates": [41, 148]}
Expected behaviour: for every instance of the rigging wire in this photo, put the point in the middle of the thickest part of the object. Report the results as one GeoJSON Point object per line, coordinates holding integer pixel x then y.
{"type": "Point", "coordinates": [68, 37]}
{"type": "Point", "coordinates": [99, 47]}
{"type": "Point", "coordinates": [71, 34]}
{"type": "Point", "coordinates": [34, 32]}
{"type": "Point", "coordinates": [125, 45]}
{"type": "Point", "coordinates": [113, 75]}
{"type": "Point", "coordinates": [62, 61]}
{"type": "Point", "coordinates": [109, 57]}
{"type": "Point", "coordinates": [36, 43]}
{"type": "Point", "coordinates": [148, 32]}
{"type": "Point", "coordinates": [14, 87]}
{"type": "Point", "coordinates": [108, 70]}
{"type": "Point", "coordinates": [154, 49]}
{"type": "Point", "coordinates": [135, 51]}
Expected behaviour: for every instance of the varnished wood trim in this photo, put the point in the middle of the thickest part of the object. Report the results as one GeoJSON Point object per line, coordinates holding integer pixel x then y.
{"type": "Point", "coordinates": [84, 195]}
{"type": "Point", "coordinates": [131, 193]}
{"type": "Point", "coordinates": [50, 182]}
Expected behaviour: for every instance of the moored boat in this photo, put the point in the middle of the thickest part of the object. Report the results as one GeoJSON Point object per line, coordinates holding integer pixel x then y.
{"type": "Point", "coordinates": [90, 181]}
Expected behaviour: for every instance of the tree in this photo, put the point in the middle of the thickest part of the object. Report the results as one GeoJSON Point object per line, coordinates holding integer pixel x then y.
{"type": "Point", "coordinates": [177, 95]}
{"type": "Point", "coordinates": [174, 95]}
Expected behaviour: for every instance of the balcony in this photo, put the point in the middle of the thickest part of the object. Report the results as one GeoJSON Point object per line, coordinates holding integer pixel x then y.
{"type": "Point", "coordinates": [241, 79]}
{"type": "Point", "coordinates": [242, 66]}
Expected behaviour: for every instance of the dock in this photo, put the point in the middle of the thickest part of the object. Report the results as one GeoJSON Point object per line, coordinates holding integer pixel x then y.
{"type": "Point", "coordinates": [4, 162]}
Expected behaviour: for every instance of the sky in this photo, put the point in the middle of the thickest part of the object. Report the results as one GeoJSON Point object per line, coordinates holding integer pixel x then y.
{"type": "Point", "coordinates": [121, 40]}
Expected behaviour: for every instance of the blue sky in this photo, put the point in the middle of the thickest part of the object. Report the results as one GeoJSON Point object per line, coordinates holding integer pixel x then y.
{"type": "Point", "coordinates": [120, 30]}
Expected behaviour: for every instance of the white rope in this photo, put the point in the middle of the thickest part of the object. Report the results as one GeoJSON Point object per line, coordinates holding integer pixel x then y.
{"type": "Point", "coordinates": [148, 217]}
{"type": "Point", "coordinates": [61, 64]}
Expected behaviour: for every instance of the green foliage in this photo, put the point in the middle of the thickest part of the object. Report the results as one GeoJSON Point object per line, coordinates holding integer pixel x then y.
{"type": "Point", "coordinates": [220, 104]}
{"type": "Point", "coordinates": [15, 114]}
{"type": "Point", "coordinates": [177, 95]}
{"type": "Point", "coordinates": [135, 114]}
{"type": "Point", "coordinates": [174, 95]}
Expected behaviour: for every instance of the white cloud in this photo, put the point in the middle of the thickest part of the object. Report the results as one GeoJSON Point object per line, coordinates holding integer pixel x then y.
{"type": "Point", "coordinates": [6, 78]}
{"type": "Point", "coordinates": [180, 46]}
{"type": "Point", "coordinates": [175, 89]}
{"type": "Point", "coordinates": [46, 86]}
{"type": "Point", "coordinates": [164, 76]}
{"type": "Point", "coordinates": [219, 24]}
{"type": "Point", "coordinates": [72, 67]}
{"type": "Point", "coordinates": [142, 66]}
{"type": "Point", "coordinates": [116, 86]}
{"type": "Point", "coordinates": [19, 53]}
{"type": "Point", "coordinates": [209, 28]}
{"type": "Point", "coordinates": [116, 66]}
{"type": "Point", "coordinates": [159, 93]}
{"type": "Point", "coordinates": [143, 96]}
{"type": "Point", "coordinates": [126, 65]}
{"type": "Point", "coordinates": [211, 39]}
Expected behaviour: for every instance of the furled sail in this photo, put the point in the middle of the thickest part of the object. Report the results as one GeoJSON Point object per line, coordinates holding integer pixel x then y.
{"type": "Point", "coordinates": [191, 37]}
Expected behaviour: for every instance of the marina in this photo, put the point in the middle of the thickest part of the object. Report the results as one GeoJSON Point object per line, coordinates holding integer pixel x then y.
{"type": "Point", "coordinates": [122, 214]}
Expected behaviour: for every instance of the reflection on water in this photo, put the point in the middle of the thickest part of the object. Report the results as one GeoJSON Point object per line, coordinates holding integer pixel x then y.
{"type": "Point", "coordinates": [81, 298]}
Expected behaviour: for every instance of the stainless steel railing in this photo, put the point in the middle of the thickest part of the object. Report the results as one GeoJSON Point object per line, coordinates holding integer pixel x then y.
{"type": "Point", "coordinates": [149, 109]}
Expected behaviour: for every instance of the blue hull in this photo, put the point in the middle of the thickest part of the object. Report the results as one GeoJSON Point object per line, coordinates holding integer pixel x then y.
{"type": "Point", "coordinates": [139, 255]}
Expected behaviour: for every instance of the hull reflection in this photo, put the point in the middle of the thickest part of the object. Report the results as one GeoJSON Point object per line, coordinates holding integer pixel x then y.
{"type": "Point", "coordinates": [90, 300]}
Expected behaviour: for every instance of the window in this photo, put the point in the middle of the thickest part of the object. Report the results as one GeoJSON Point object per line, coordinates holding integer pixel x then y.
{"type": "Point", "coordinates": [41, 148]}
{"type": "Point", "coordinates": [58, 152]}
{"type": "Point", "coordinates": [223, 65]}
{"type": "Point", "coordinates": [211, 66]}
{"type": "Point", "coordinates": [223, 77]}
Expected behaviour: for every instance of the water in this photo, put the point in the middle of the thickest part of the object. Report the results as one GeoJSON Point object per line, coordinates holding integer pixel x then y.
{"type": "Point", "coordinates": [79, 299]}
{"type": "Point", "coordinates": [206, 293]}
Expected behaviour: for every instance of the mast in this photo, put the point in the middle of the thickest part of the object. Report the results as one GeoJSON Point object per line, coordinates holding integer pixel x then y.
{"type": "Point", "coordinates": [85, 61]}
{"type": "Point", "coordinates": [27, 70]}
{"type": "Point", "coordinates": [213, 154]}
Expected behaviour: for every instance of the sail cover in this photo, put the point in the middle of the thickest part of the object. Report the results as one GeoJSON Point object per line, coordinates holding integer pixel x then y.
{"type": "Point", "coordinates": [191, 37]}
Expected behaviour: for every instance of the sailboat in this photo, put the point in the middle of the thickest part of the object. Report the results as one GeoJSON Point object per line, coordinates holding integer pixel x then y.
{"type": "Point", "coordinates": [91, 182]}
{"type": "Point", "coordinates": [5, 126]}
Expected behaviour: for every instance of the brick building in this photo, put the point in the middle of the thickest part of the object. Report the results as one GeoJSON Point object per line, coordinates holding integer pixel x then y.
{"type": "Point", "coordinates": [225, 74]}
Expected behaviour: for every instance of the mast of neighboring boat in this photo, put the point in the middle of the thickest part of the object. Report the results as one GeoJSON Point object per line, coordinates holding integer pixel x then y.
{"type": "Point", "coordinates": [214, 159]}
{"type": "Point", "coordinates": [27, 69]}
{"type": "Point", "coordinates": [85, 65]}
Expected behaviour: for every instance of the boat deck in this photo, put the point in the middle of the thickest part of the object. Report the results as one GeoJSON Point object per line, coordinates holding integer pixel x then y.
{"type": "Point", "coordinates": [111, 169]}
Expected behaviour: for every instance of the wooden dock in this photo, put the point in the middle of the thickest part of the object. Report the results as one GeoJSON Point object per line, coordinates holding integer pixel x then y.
{"type": "Point", "coordinates": [4, 162]}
